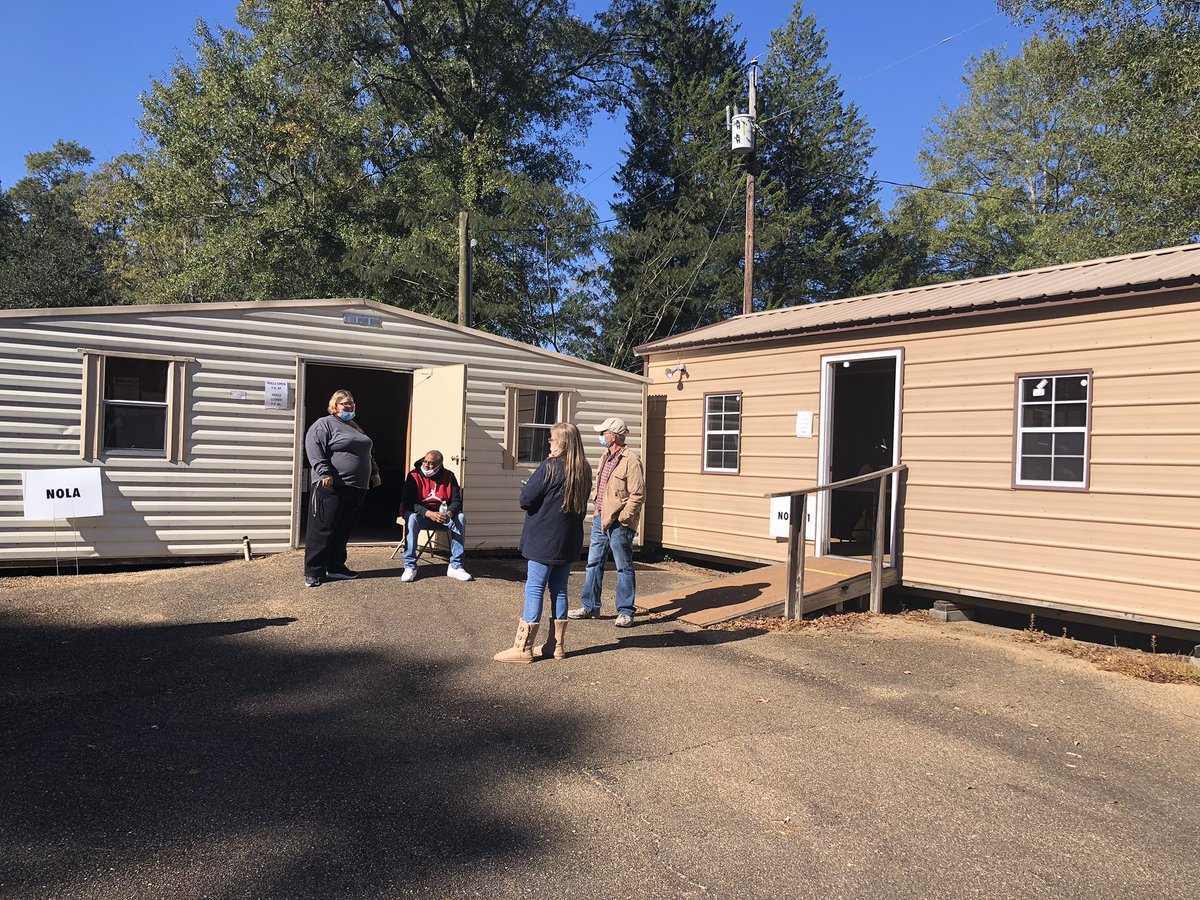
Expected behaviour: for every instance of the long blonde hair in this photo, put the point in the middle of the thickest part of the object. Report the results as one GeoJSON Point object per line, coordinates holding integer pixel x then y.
{"type": "Point", "coordinates": [577, 473]}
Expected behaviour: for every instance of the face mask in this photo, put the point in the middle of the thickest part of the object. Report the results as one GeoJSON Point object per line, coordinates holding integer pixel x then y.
{"type": "Point", "coordinates": [603, 442]}
{"type": "Point", "coordinates": [346, 415]}
{"type": "Point", "coordinates": [429, 473]}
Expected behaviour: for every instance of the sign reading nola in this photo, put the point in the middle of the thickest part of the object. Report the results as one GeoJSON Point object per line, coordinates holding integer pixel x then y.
{"type": "Point", "coordinates": [62, 494]}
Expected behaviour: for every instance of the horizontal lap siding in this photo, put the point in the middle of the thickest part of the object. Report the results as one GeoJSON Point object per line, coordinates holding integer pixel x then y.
{"type": "Point", "coordinates": [1128, 546]}
{"type": "Point", "coordinates": [237, 474]}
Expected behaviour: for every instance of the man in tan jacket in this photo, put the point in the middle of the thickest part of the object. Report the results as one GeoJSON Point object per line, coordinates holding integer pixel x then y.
{"type": "Point", "coordinates": [617, 508]}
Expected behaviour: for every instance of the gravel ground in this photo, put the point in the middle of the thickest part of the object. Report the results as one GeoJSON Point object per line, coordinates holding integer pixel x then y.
{"type": "Point", "coordinates": [222, 732]}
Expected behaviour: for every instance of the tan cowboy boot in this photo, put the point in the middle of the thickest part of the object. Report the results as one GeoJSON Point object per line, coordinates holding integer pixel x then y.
{"type": "Point", "coordinates": [554, 641]}
{"type": "Point", "coordinates": [522, 649]}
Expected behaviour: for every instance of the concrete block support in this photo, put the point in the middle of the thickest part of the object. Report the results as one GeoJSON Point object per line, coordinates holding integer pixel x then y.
{"type": "Point", "coordinates": [945, 611]}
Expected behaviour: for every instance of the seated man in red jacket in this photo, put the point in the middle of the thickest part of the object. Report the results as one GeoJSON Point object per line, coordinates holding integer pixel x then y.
{"type": "Point", "coordinates": [432, 499]}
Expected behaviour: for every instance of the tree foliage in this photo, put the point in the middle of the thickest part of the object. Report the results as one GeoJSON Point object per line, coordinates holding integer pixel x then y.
{"type": "Point", "coordinates": [675, 253]}
{"type": "Point", "coordinates": [49, 256]}
{"type": "Point", "coordinates": [325, 149]}
{"type": "Point", "coordinates": [819, 213]}
{"type": "Point", "coordinates": [1083, 145]}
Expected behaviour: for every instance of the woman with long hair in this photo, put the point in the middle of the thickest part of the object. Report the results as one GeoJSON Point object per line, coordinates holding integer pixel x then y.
{"type": "Point", "coordinates": [555, 500]}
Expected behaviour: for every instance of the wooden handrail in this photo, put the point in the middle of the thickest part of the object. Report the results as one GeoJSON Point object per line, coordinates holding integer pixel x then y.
{"type": "Point", "coordinates": [834, 485]}
{"type": "Point", "coordinates": [793, 604]}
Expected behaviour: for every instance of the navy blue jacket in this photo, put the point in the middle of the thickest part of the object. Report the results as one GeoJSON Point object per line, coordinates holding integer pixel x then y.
{"type": "Point", "coordinates": [550, 536]}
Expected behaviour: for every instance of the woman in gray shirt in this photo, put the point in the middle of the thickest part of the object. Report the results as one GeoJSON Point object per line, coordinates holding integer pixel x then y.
{"type": "Point", "coordinates": [343, 468]}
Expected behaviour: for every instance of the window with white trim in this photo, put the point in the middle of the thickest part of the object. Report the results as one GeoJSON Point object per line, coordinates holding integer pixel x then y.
{"type": "Point", "coordinates": [722, 432]}
{"type": "Point", "coordinates": [1052, 430]}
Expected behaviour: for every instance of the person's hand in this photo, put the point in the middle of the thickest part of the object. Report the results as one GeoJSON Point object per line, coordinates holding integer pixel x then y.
{"type": "Point", "coordinates": [327, 481]}
{"type": "Point", "coordinates": [376, 481]}
{"type": "Point", "coordinates": [440, 518]}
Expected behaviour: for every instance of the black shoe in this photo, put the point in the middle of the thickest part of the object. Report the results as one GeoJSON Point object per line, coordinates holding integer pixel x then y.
{"type": "Point", "coordinates": [312, 580]}
{"type": "Point", "coordinates": [343, 575]}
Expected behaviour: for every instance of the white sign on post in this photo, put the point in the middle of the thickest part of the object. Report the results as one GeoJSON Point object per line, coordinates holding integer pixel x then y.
{"type": "Point", "coordinates": [275, 395]}
{"type": "Point", "coordinates": [62, 494]}
{"type": "Point", "coordinates": [781, 517]}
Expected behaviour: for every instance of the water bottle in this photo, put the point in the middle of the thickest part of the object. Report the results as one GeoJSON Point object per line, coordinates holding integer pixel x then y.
{"type": "Point", "coordinates": [444, 508]}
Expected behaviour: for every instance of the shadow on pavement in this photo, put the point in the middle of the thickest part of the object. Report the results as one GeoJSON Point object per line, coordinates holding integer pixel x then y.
{"type": "Point", "coordinates": [201, 752]}
{"type": "Point", "coordinates": [666, 639]}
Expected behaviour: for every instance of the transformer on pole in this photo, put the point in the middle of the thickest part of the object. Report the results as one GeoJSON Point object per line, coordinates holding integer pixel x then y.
{"type": "Point", "coordinates": [742, 128]}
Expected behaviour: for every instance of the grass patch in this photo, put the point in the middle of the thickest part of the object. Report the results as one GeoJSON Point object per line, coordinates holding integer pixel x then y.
{"type": "Point", "coordinates": [1163, 668]}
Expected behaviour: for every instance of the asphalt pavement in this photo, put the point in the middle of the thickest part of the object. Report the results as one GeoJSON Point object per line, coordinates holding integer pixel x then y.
{"type": "Point", "coordinates": [223, 732]}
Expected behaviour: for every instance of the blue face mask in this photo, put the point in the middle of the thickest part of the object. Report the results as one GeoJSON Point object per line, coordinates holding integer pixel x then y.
{"type": "Point", "coordinates": [346, 415]}
{"type": "Point", "coordinates": [603, 442]}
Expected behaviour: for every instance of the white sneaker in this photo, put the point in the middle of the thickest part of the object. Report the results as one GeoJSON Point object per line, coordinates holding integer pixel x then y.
{"type": "Point", "coordinates": [460, 574]}
{"type": "Point", "coordinates": [409, 574]}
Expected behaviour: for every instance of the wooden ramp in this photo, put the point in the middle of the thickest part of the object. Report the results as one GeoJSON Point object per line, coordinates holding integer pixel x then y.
{"type": "Point", "coordinates": [760, 592]}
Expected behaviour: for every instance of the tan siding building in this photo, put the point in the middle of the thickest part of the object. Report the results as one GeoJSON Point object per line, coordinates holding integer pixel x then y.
{"type": "Point", "coordinates": [1049, 420]}
{"type": "Point", "coordinates": [227, 464]}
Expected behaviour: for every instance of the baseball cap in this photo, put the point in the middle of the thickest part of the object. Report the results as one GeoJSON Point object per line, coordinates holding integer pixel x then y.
{"type": "Point", "coordinates": [613, 424]}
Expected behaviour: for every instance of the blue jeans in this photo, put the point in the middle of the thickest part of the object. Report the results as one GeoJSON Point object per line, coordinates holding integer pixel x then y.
{"type": "Point", "coordinates": [537, 578]}
{"type": "Point", "coordinates": [458, 536]}
{"type": "Point", "coordinates": [619, 539]}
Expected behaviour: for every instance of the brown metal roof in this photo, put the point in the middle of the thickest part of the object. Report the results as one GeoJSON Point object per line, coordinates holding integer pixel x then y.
{"type": "Point", "coordinates": [1173, 266]}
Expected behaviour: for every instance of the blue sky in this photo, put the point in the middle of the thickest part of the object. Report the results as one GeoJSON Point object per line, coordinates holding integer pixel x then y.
{"type": "Point", "coordinates": [73, 70]}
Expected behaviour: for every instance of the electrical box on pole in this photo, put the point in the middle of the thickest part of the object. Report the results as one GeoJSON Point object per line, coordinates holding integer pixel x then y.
{"type": "Point", "coordinates": [741, 128]}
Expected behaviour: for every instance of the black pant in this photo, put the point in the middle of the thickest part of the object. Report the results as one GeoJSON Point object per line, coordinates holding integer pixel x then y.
{"type": "Point", "coordinates": [333, 513]}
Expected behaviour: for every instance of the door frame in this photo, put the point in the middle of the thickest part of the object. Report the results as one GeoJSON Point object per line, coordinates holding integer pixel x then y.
{"type": "Point", "coordinates": [820, 526]}
{"type": "Point", "coordinates": [298, 429]}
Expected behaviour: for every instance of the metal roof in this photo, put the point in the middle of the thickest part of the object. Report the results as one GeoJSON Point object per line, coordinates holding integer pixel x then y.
{"type": "Point", "coordinates": [1172, 266]}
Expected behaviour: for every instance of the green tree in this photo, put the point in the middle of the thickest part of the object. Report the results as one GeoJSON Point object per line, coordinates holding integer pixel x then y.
{"type": "Point", "coordinates": [1081, 146]}
{"type": "Point", "coordinates": [326, 149]}
{"type": "Point", "coordinates": [674, 257]}
{"type": "Point", "coordinates": [49, 256]}
{"type": "Point", "coordinates": [819, 216]}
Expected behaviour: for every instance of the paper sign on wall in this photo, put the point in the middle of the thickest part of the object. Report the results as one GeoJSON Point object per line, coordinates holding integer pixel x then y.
{"type": "Point", "coordinates": [804, 424]}
{"type": "Point", "coordinates": [275, 395]}
{"type": "Point", "coordinates": [781, 517]}
{"type": "Point", "coordinates": [62, 494]}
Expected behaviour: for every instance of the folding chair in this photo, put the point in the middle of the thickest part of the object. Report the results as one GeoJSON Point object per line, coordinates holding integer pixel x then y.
{"type": "Point", "coordinates": [430, 534]}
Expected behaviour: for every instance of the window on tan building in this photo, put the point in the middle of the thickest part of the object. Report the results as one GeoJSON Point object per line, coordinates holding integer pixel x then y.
{"type": "Point", "coordinates": [1053, 420]}
{"type": "Point", "coordinates": [722, 432]}
{"type": "Point", "coordinates": [133, 405]}
{"type": "Point", "coordinates": [530, 414]}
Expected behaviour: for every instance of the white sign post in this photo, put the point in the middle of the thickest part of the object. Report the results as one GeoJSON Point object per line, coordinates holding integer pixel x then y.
{"type": "Point", "coordinates": [781, 517]}
{"type": "Point", "coordinates": [53, 494]}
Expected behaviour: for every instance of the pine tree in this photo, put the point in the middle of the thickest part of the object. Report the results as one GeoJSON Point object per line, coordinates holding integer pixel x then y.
{"type": "Point", "coordinates": [675, 253]}
{"type": "Point", "coordinates": [818, 212]}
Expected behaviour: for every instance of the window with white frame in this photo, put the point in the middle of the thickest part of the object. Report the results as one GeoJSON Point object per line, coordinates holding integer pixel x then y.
{"type": "Point", "coordinates": [1052, 430]}
{"type": "Point", "coordinates": [722, 432]}
{"type": "Point", "coordinates": [537, 410]}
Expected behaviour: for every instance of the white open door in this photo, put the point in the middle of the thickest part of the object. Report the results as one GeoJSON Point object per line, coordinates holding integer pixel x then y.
{"type": "Point", "coordinates": [439, 416]}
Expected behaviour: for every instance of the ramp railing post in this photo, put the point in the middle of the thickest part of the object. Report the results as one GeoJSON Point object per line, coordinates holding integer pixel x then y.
{"type": "Point", "coordinates": [793, 603]}
{"type": "Point", "coordinates": [877, 546]}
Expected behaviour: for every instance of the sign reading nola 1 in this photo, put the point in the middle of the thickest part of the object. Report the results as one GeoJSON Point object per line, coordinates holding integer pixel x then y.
{"type": "Point", "coordinates": [62, 494]}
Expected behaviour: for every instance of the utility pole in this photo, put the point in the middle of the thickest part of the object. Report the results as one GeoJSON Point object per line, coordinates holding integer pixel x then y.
{"type": "Point", "coordinates": [464, 269]}
{"type": "Point", "coordinates": [742, 126]}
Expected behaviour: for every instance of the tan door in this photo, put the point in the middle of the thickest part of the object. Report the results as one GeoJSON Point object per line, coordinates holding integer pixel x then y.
{"type": "Point", "coordinates": [439, 401]}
